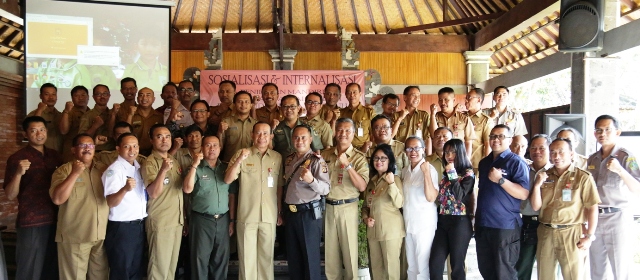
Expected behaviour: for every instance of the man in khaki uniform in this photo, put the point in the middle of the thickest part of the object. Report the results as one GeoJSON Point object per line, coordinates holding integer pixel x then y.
{"type": "Point", "coordinates": [76, 187]}
{"type": "Point", "coordinates": [565, 196]}
{"type": "Point", "coordinates": [313, 103]}
{"type": "Point", "coordinates": [143, 117]}
{"type": "Point", "coordinates": [482, 126]}
{"type": "Point", "coordinates": [165, 207]}
{"type": "Point", "coordinates": [349, 175]}
{"type": "Point", "coordinates": [259, 170]}
{"type": "Point", "coordinates": [94, 122]}
{"type": "Point", "coordinates": [413, 121]}
{"type": "Point", "coordinates": [330, 111]}
{"type": "Point", "coordinates": [270, 112]}
{"type": "Point", "coordinates": [360, 115]}
{"type": "Point", "coordinates": [235, 130]}
{"type": "Point", "coordinates": [128, 88]}
{"type": "Point", "coordinates": [503, 113]}
{"type": "Point", "coordinates": [440, 137]}
{"type": "Point", "coordinates": [70, 120]}
{"type": "Point", "coordinates": [226, 92]}
{"type": "Point", "coordinates": [47, 110]}
{"type": "Point", "coordinates": [571, 135]}
{"type": "Point", "coordinates": [460, 124]}
{"type": "Point", "coordinates": [381, 126]}
{"type": "Point", "coordinates": [283, 133]}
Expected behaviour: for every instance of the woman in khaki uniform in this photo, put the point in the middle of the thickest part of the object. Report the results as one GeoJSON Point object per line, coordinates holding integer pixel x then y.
{"type": "Point", "coordinates": [381, 214]}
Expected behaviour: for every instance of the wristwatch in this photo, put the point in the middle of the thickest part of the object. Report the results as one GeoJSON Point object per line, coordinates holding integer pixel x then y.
{"type": "Point", "coordinates": [501, 181]}
{"type": "Point", "coordinates": [591, 237]}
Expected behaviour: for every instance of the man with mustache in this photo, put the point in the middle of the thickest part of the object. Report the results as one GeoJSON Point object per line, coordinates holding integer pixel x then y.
{"type": "Point", "coordinates": [94, 122]}
{"type": "Point", "coordinates": [226, 92]}
{"type": "Point", "coordinates": [70, 120]}
{"type": "Point", "coordinates": [128, 88]}
{"type": "Point", "coordinates": [82, 218]}
{"type": "Point", "coordinates": [270, 112]}
{"type": "Point", "coordinates": [47, 110]}
{"type": "Point", "coordinates": [330, 111]}
{"type": "Point", "coordinates": [177, 117]}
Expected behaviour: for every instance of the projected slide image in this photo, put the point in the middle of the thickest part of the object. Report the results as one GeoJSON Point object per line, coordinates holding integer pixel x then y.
{"type": "Point", "coordinates": [56, 39]}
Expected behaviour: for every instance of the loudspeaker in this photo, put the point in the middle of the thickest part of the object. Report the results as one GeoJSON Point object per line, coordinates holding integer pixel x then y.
{"type": "Point", "coordinates": [581, 25]}
{"type": "Point", "coordinates": [554, 123]}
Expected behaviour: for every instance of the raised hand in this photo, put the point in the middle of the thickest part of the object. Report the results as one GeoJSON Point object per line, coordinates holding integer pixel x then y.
{"type": "Point", "coordinates": [614, 166]}
{"type": "Point", "coordinates": [131, 184]}
{"type": "Point", "coordinates": [116, 108]}
{"type": "Point", "coordinates": [197, 159]}
{"type": "Point", "coordinates": [101, 140]}
{"type": "Point", "coordinates": [343, 160]}
{"type": "Point", "coordinates": [78, 167]}
{"type": "Point", "coordinates": [244, 154]}
{"type": "Point", "coordinates": [177, 142]}
{"type": "Point", "coordinates": [98, 121]}
{"type": "Point", "coordinates": [370, 222]}
{"type": "Point", "coordinates": [223, 126]}
{"type": "Point", "coordinates": [68, 106]}
{"type": "Point", "coordinates": [133, 110]}
{"type": "Point", "coordinates": [167, 164]}
{"type": "Point", "coordinates": [306, 175]}
{"type": "Point", "coordinates": [495, 174]}
{"type": "Point", "coordinates": [389, 178]}
{"type": "Point", "coordinates": [41, 106]}
{"type": "Point", "coordinates": [541, 178]}
{"type": "Point", "coordinates": [434, 108]}
{"type": "Point", "coordinates": [23, 166]}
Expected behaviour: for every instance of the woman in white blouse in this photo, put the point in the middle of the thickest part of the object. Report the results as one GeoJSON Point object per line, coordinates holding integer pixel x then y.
{"type": "Point", "coordinates": [420, 214]}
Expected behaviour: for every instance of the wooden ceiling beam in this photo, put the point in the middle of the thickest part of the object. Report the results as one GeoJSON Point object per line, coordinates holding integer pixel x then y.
{"type": "Point", "coordinates": [373, 22]}
{"type": "Point", "coordinates": [515, 20]}
{"type": "Point", "coordinates": [384, 16]}
{"type": "Point", "coordinates": [456, 7]}
{"type": "Point", "coordinates": [415, 10]}
{"type": "Point", "coordinates": [324, 22]}
{"type": "Point", "coordinates": [447, 23]}
{"type": "Point", "coordinates": [306, 16]}
{"type": "Point", "coordinates": [404, 19]}
{"type": "Point", "coordinates": [355, 16]}
{"type": "Point", "coordinates": [235, 42]}
{"type": "Point", "coordinates": [206, 26]}
{"type": "Point", "coordinates": [433, 14]}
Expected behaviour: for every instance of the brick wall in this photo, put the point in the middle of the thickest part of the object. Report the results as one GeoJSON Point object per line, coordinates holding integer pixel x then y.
{"type": "Point", "coordinates": [11, 116]}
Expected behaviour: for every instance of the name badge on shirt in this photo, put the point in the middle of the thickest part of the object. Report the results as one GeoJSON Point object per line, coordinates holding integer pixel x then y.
{"type": "Point", "coordinates": [270, 181]}
{"type": "Point", "coordinates": [419, 133]}
{"type": "Point", "coordinates": [360, 132]}
{"type": "Point", "coordinates": [166, 181]}
{"type": "Point", "coordinates": [566, 195]}
{"type": "Point", "coordinates": [205, 178]}
{"type": "Point", "coordinates": [591, 167]}
{"type": "Point", "coordinates": [79, 179]}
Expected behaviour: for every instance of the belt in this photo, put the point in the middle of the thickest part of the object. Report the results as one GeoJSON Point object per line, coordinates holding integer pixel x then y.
{"type": "Point", "coordinates": [530, 218]}
{"type": "Point", "coordinates": [605, 210]}
{"type": "Point", "coordinates": [138, 221]}
{"type": "Point", "coordinates": [341, 201]}
{"type": "Point", "coordinates": [554, 226]}
{"type": "Point", "coordinates": [303, 207]}
{"type": "Point", "coordinates": [216, 216]}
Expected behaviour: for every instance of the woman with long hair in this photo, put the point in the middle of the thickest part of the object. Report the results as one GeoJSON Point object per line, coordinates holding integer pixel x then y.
{"type": "Point", "coordinates": [381, 214]}
{"type": "Point", "coordinates": [454, 229]}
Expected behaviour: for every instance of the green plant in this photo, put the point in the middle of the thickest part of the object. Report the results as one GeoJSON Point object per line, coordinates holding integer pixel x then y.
{"type": "Point", "coordinates": [363, 246]}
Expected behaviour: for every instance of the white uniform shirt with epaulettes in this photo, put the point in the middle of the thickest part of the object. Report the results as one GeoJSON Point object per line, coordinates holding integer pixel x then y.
{"type": "Point", "coordinates": [342, 186]}
{"type": "Point", "coordinates": [134, 203]}
{"type": "Point", "coordinates": [510, 118]}
{"type": "Point", "coordinates": [612, 190]}
{"type": "Point", "coordinates": [525, 205]}
{"type": "Point", "coordinates": [299, 191]}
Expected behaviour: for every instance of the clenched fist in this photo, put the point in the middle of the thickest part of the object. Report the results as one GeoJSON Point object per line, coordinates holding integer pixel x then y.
{"type": "Point", "coordinates": [167, 164]}
{"type": "Point", "coordinates": [78, 167]}
{"type": "Point", "coordinates": [131, 184]}
{"type": "Point", "coordinates": [23, 166]}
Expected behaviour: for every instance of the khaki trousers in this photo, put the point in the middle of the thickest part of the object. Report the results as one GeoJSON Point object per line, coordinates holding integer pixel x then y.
{"type": "Point", "coordinates": [560, 246]}
{"type": "Point", "coordinates": [256, 242]}
{"type": "Point", "coordinates": [164, 247]}
{"type": "Point", "coordinates": [385, 258]}
{"type": "Point", "coordinates": [81, 260]}
{"type": "Point", "coordinates": [341, 241]}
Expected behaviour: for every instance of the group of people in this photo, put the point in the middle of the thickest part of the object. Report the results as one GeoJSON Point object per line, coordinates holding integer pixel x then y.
{"type": "Point", "coordinates": [187, 181]}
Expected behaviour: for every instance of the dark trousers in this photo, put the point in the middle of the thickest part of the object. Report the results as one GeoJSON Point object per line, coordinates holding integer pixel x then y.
{"type": "Point", "coordinates": [303, 235]}
{"type": "Point", "coordinates": [451, 238]}
{"type": "Point", "coordinates": [124, 244]}
{"type": "Point", "coordinates": [36, 253]}
{"type": "Point", "coordinates": [528, 244]}
{"type": "Point", "coordinates": [209, 242]}
{"type": "Point", "coordinates": [498, 251]}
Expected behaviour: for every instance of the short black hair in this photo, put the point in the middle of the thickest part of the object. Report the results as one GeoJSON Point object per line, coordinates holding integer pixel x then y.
{"type": "Point", "coordinates": [461, 162]}
{"type": "Point", "coordinates": [351, 84]}
{"type": "Point", "coordinates": [235, 97]}
{"type": "Point", "coordinates": [191, 129]}
{"type": "Point", "coordinates": [290, 96]}
{"type": "Point", "coordinates": [443, 128]}
{"type": "Point", "coordinates": [314, 93]}
{"type": "Point", "coordinates": [76, 139]}
{"type": "Point", "coordinates": [126, 80]}
{"type": "Point", "coordinates": [253, 129]}
{"type": "Point", "coordinates": [232, 83]}
{"type": "Point", "coordinates": [77, 88]}
{"type": "Point", "coordinates": [156, 126]}
{"type": "Point", "coordinates": [270, 84]}
{"type": "Point", "coordinates": [33, 119]}
{"type": "Point", "coordinates": [499, 87]}
{"type": "Point", "coordinates": [47, 85]}
{"type": "Point", "coordinates": [503, 126]}
{"type": "Point", "coordinates": [185, 81]}
{"type": "Point", "coordinates": [386, 149]}
{"type": "Point", "coordinates": [170, 84]}
{"type": "Point", "coordinates": [480, 93]}
{"type": "Point", "coordinates": [122, 136]}
{"type": "Point", "coordinates": [199, 101]}
{"type": "Point", "coordinates": [563, 140]}
{"type": "Point", "coordinates": [447, 90]}
{"type": "Point", "coordinates": [409, 88]}
{"type": "Point", "coordinates": [120, 125]}
{"type": "Point", "coordinates": [380, 117]}
{"type": "Point", "coordinates": [608, 117]}
{"type": "Point", "coordinates": [100, 85]}
{"type": "Point", "coordinates": [333, 85]}
{"type": "Point", "coordinates": [546, 138]}
{"type": "Point", "coordinates": [388, 96]}
{"type": "Point", "coordinates": [302, 126]}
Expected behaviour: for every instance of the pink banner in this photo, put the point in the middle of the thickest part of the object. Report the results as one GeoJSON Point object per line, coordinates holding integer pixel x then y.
{"type": "Point", "coordinates": [296, 82]}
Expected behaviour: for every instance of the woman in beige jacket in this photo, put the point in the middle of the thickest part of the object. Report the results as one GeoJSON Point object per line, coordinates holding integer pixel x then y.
{"type": "Point", "coordinates": [381, 214]}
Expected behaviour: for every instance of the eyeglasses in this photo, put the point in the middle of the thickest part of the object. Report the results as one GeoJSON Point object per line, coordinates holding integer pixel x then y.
{"type": "Point", "coordinates": [499, 137]}
{"type": "Point", "coordinates": [312, 103]}
{"type": "Point", "coordinates": [102, 94]}
{"type": "Point", "coordinates": [605, 131]}
{"type": "Point", "coordinates": [413, 149]}
{"type": "Point", "coordinates": [380, 159]}
{"type": "Point", "coordinates": [392, 105]}
{"type": "Point", "coordinates": [199, 111]}
{"type": "Point", "coordinates": [189, 90]}
{"type": "Point", "coordinates": [290, 107]}
{"type": "Point", "coordinates": [380, 128]}
{"type": "Point", "coordinates": [85, 146]}
{"type": "Point", "coordinates": [450, 152]}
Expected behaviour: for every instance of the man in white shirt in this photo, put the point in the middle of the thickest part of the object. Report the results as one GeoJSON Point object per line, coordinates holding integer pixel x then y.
{"type": "Point", "coordinates": [125, 194]}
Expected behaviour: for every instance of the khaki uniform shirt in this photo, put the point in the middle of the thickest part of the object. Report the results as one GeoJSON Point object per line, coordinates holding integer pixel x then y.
{"type": "Point", "coordinates": [237, 136]}
{"type": "Point", "coordinates": [341, 184]}
{"type": "Point", "coordinates": [398, 151]}
{"type": "Point", "coordinates": [142, 125]}
{"type": "Point", "coordinates": [557, 208]}
{"type": "Point", "coordinates": [321, 128]}
{"type": "Point", "coordinates": [52, 118]}
{"type": "Point", "coordinates": [185, 159]}
{"type": "Point", "coordinates": [282, 139]}
{"type": "Point", "coordinates": [167, 209]}
{"type": "Point", "coordinates": [510, 118]}
{"type": "Point", "coordinates": [216, 114]}
{"type": "Point", "coordinates": [260, 177]}
{"type": "Point", "coordinates": [83, 217]}
{"type": "Point", "coordinates": [361, 116]}
{"type": "Point", "coordinates": [74, 126]}
{"type": "Point", "coordinates": [459, 123]}
{"type": "Point", "coordinates": [580, 161]}
{"type": "Point", "coordinates": [382, 203]}
{"type": "Point", "coordinates": [411, 123]}
{"type": "Point", "coordinates": [438, 164]}
{"type": "Point", "coordinates": [264, 115]}
{"type": "Point", "coordinates": [611, 188]}
{"type": "Point", "coordinates": [325, 109]}
{"type": "Point", "coordinates": [87, 121]}
{"type": "Point", "coordinates": [482, 126]}
{"type": "Point", "coordinates": [299, 191]}
{"type": "Point", "coordinates": [106, 158]}
{"type": "Point", "coordinates": [123, 112]}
